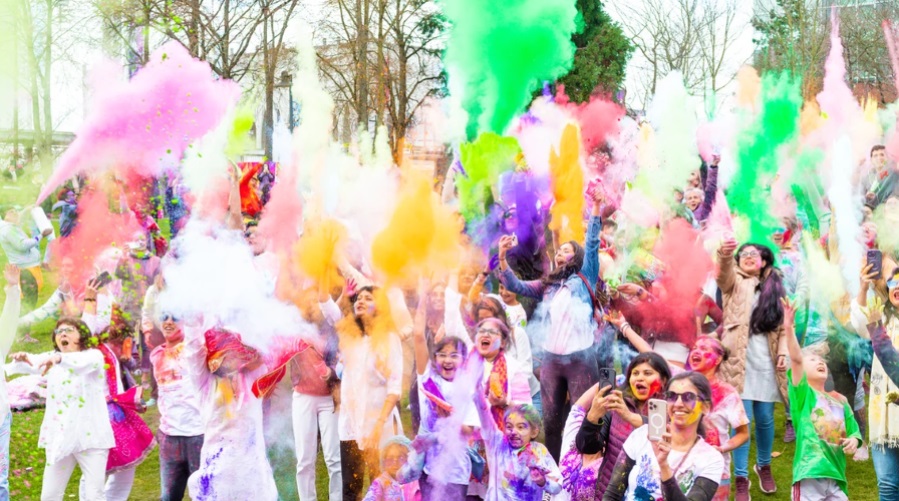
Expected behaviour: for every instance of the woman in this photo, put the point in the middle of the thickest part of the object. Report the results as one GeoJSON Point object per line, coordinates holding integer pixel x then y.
{"type": "Point", "coordinates": [753, 334]}
{"type": "Point", "coordinates": [613, 415]}
{"type": "Point", "coordinates": [76, 426]}
{"type": "Point", "coordinates": [883, 417]}
{"type": "Point", "coordinates": [569, 365]}
{"type": "Point", "coordinates": [370, 387]}
{"type": "Point", "coordinates": [580, 472]}
{"type": "Point", "coordinates": [727, 413]}
{"type": "Point", "coordinates": [681, 465]}
{"type": "Point", "coordinates": [519, 347]}
{"type": "Point", "coordinates": [233, 463]}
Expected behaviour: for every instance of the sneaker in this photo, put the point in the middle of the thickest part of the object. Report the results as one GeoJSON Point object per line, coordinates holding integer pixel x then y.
{"type": "Point", "coordinates": [741, 489]}
{"type": "Point", "coordinates": [766, 480]}
{"type": "Point", "coordinates": [789, 433]}
{"type": "Point", "coordinates": [861, 454]}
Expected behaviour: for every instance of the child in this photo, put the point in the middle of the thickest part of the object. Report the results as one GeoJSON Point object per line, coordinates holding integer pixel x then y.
{"type": "Point", "coordinates": [826, 430]}
{"type": "Point", "coordinates": [520, 469]}
{"type": "Point", "coordinates": [394, 455]}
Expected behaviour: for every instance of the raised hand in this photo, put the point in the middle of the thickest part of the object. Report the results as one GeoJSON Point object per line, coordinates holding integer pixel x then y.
{"type": "Point", "coordinates": [11, 274]}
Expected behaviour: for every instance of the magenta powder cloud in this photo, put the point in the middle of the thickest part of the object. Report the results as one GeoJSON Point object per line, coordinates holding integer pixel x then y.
{"type": "Point", "coordinates": [146, 123]}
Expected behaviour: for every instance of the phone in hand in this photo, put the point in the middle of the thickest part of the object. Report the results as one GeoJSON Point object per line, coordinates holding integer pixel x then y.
{"type": "Point", "coordinates": [514, 240]}
{"type": "Point", "coordinates": [875, 260]}
{"type": "Point", "coordinates": [103, 279]}
{"type": "Point", "coordinates": [607, 378]}
{"type": "Point", "coordinates": [658, 419]}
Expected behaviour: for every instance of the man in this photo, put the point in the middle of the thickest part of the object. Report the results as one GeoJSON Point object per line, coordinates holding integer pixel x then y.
{"type": "Point", "coordinates": [882, 182]}
{"type": "Point", "coordinates": [24, 252]}
{"type": "Point", "coordinates": [181, 423]}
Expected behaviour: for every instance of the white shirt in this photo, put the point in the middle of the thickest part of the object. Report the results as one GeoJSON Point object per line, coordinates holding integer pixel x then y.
{"type": "Point", "coordinates": [448, 460]}
{"type": "Point", "coordinates": [521, 352]}
{"type": "Point", "coordinates": [76, 418]}
{"type": "Point", "coordinates": [8, 321]}
{"type": "Point", "coordinates": [364, 388]}
{"type": "Point", "coordinates": [566, 336]}
{"type": "Point", "coordinates": [701, 461]}
{"type": "Point", "coordinates": [180, 414]}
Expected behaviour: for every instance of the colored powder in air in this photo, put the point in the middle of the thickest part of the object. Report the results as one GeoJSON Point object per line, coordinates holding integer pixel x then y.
{"type": "Point", "coordinates": [421, 237]}
{"type": "Point", "coordinates": [319, 248]}
{"type": "Point", "coordinates": [597, 118]}
{"type": "Point", "coordinates": [147, 122]}
{"type": "Point", "coordinates": [758, 154]}
{"type": "Point", "coordinates": [483, 161]}
{"type": "Point", "coordinates": [687, 265]}
{"type": "Point", "coordinates": [847, 213]}
{"type": "Point", "coordinates": [567, 187]}
{"type": "Point", "coordinates": [500, 52]}
{"type": "Point", "coordinates": [748, 87]}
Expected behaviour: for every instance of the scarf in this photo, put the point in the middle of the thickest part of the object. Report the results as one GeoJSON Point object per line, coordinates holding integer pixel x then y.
{"type": "Point", "coordinates": [266, 384]}
{"type": "Point", "coordinates": [498, 386]}
{"type": "Point", "coordinates": [436, 402]}
{"type": "Point", "coordinates": [883, 417]}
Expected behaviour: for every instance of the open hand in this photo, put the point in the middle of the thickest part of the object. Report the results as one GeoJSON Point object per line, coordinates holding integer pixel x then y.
{"type": "Point", "coordinates": [20, 357]}
{"type": "Point", "coordinates": [11, 274]}
{"type": "Point", "coordinates": [505, 243]}
{"type": "Point", "coordinates": [728, 246]}
{"type": "Point", "coordinates": [874, 311]}
{"type": "Point", "coordinates": [615, 318]}
{"type": "Point", "coordinates": [46, 365]}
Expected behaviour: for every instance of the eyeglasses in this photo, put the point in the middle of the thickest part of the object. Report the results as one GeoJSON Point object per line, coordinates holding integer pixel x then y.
{"type": "Point", "coordinates": [490, 332]}
{"type": "Point", "coordinates": [750, 253]}
{"type": "Point", "coordinates": [688, 398]}
{"type": "Point", "coordinates": [65, 330]}
{"type": "Point", "coordinates": [396, 459]}
{"type": "Point", "coordinates": [449, 356]}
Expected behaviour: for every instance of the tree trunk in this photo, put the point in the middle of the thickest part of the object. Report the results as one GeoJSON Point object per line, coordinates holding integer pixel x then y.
{"type": "Point", "coordinates": [47, 83]}
{"type": "Point", "coordinates": [193, 35]}
{"type": "Point", "coordinates": [268, 119]}
{"type": "Point", "coordinates": [361, 104]}
{"type": "Point", "coordinates": [15, 88]}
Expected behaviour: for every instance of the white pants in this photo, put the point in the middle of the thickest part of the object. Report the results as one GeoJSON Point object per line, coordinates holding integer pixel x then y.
{"type": "Point", "coordinates": [818, 489]}
{"type": "Point", "coordinates": [118, 485]}
{"type": "Point", "coordinates": [93, 473]}
{"type": "Point", "coordinates": [313, 415]}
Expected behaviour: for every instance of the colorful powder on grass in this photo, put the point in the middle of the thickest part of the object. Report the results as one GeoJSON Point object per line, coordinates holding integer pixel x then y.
{"type": "Point", "coordinates": [421, 237]}
{"type": "Point", "coordinates": [759, 149]}
{"type": "Point", "coordinates": [148, 121]}
{"type": "Point", "coordinates": [567, 187]}
{"type": "Point", "coordinates": [498, 53]}
{"type": "Point", "coordinates": [483, 161]}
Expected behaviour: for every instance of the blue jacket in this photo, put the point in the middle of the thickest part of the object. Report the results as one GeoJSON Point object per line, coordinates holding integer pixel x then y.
{"type": "Point", "coordinates": [590, 269]}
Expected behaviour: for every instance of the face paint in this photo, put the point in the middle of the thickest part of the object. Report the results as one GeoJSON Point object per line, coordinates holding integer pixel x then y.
{"type": "Point", "coordinates": [696, 414]}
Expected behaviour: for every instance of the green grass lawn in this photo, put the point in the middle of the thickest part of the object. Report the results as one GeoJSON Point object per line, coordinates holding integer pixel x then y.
{"type": "Point", "coordinates": [27, 461]}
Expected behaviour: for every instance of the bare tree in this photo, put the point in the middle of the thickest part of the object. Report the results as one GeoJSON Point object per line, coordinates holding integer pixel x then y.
{"type": "Point", "coordinates": [274, 25]}
{"type": "Point", "coordinates": [719, 32]}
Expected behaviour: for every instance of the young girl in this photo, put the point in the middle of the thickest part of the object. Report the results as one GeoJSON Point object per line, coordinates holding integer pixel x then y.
{"type": "Point", "coordinates": [605, 432]}
{"type": "Point", "coordinates": [76, 425]}
{"type": "Point", "coordinates": [394, 455]}
{"type": "Point", "coordinates": [447, 467]}
{"type": "Point", "coordinates": [727, 412]}
{"type": "Point", "coordinates": [579, 471]}
{"type": "Point", "coordinates": [520, 469]}
{"type": "Point", "coordinates": [679, 467]}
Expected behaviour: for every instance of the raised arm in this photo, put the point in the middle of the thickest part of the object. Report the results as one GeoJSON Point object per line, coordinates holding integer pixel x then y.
{"type": "Point", "coordinates": [726, 276]}
{"type": "Point", "coordinates": [711, 191]}
{"type": "Point", "coordinates": [11, 306]}
{"type": "Point", "coordinates": [792, 342]}
{"type": "Point", "coordinates": [49, 309]}
{"type": "Point", "coordinates": [590, 268]}
{"type": "Point", "coordinates": [529, 288]}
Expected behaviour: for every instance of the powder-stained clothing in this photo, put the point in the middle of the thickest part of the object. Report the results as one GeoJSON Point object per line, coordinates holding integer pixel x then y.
{"type": "Point", "coordinates": [821, 423]}
{"type": "Point", "coordinates": [509, 473]}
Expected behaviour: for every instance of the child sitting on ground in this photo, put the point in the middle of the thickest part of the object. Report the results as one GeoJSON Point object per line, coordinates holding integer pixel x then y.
{"type": "Point", "coordinates": [826, 430]}
{"type": "Point", "coordinates": [386, 487]}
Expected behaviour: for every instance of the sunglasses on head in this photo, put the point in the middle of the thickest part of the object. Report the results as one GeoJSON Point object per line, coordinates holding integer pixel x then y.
{"type": "Point", "coordinates": [688, 398]}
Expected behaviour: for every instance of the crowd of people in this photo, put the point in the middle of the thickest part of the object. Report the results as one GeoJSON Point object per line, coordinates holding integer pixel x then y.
{"type": "Point", "coordinates": [531, 375]}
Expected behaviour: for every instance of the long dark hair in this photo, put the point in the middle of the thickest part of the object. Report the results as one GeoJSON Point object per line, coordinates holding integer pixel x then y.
{"type": "Point", "coordinates": [370, 289]}
{"type": "Point", "coordinates": [655, 361]}
{"type": "Point", "coordinates": [768, 313]}
{"type": "Point", "coordinates": [702, 386]}
{"type": "Point", "coordinates": [573, 266]}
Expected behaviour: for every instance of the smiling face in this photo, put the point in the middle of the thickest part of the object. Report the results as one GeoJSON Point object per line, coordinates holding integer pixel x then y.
{"type": "Point", "coordinates": [893, 294]}
{"type": "Point", "coordinates": [436, 299]}
{"type": "Point", "coordinates": [695, 179]}
{"type": "Point", "coordinates": [750, 260]}
{"type": "Point", "coordinates": [394, 459]}
{"type": "Point", "coordinates": [564, 255]}
{"type": "Point", "coordinates": [68, 339]}
{"type": "Point", "coordinates": [644, 381]}
{"type": "Point", "coordinates": [705, 356]}
{"type": "Point", "coordinates": [364, 307]}
{"type": "Point", "coordinates": [447, 361]}
{"type": "Point", "coordinates": [170, 330]}
{"type": "Point", "coordinates": [879, 158]}
{"type": "Point", "coordinates": [519, 432]}
{"type": "Point", "coordinates": [682, 414]}
{"type": "Point", "coordinates": [869, 232]}
{"type": "Point", "coordinates": [138, 241]}
{"type": "Point", "coordinates": [815, 368]}
{"type": "Point", "coordinates": [693, 199]}
{"type": "Point", "coordinates": [507, 296]}
{"type": "Point", "coordinates": [488, 340]}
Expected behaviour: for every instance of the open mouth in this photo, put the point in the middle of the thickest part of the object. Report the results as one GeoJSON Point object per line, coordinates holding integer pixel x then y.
{"type": "Point", "coordinates": [448, 369]}
{"type": "Point", "coordinates": [484, 344]}
{"type": "Point", "coordinates": [695, 360]}
{"type": "Point", "coordinates": [63, 343]}
{"type": "Point", "coordinates": [641, 388]}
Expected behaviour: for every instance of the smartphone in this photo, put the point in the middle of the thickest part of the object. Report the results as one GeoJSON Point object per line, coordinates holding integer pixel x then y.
{"type": "Point", "coordinates": [607, 378]}
{"type": "Point", "coordinates": [103, 279]}
{"type": "Point", "coordinates": [658, 418]}
{"type": "Point", "coordinates": [514, 240]}
{"type": "Point", "coordinates": [875, 260]}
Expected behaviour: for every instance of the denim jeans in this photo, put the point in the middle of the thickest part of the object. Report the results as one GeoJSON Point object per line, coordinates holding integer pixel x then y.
{"type": "Point", "coordinates": [4, 456]}
{"type": "Point", "coordinates": [563, 376]}
{"type": "Point", "coordinates": [762, 415]}
{"type": "Point", "coordinates": [179, 457]}
{"type": "Point", "coordinates": [886, 466]}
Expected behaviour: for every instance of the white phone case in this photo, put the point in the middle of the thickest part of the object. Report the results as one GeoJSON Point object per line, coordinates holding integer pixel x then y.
{"type": "Point", "coordinates": [658, 418]}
